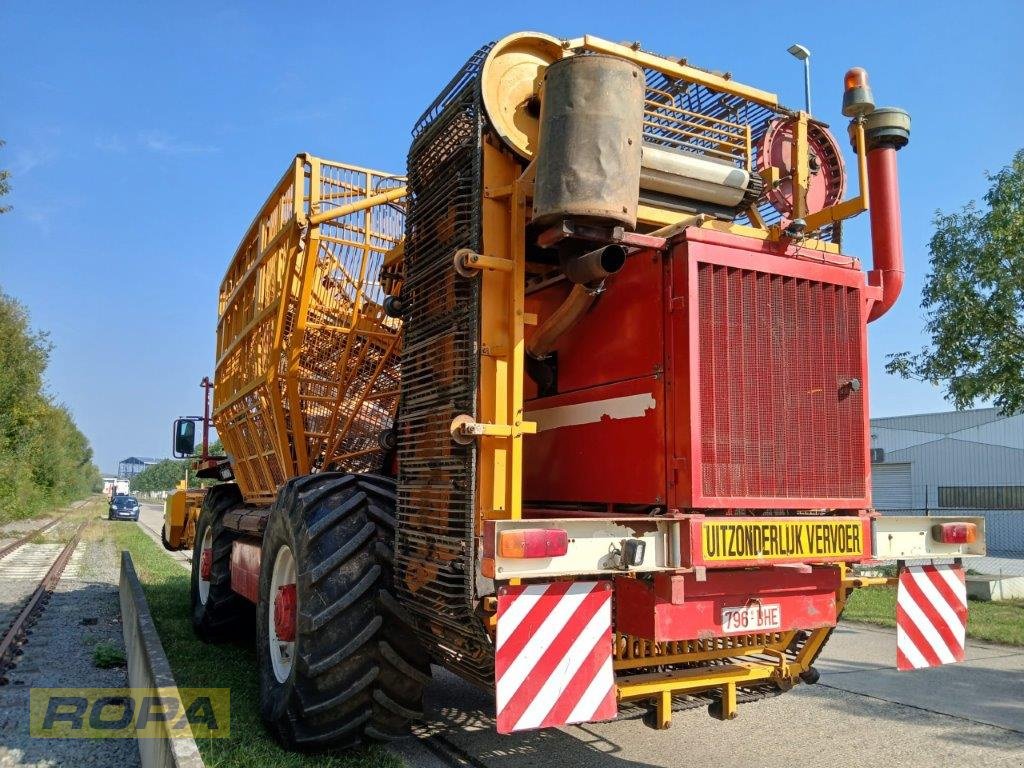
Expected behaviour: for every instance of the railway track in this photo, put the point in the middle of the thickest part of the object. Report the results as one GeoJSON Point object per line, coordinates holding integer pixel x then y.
{"type": "Point", "coordinates": [17, 543]}
{"type": "Point", "coordinates": [24, 539]}
{"type": "Point", "coordinates": [15, 633]}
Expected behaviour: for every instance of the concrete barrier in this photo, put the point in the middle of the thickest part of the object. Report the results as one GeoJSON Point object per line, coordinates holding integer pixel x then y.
{"type": "Point", "coordinates": [995, 588]}
{"type": "Point", "coordinates": [148, 668]}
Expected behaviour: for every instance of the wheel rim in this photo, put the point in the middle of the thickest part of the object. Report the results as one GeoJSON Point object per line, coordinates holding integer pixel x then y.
{"type": "Point", "coordinates": [282, 652]}
{"type": "Point", "coordinates": [204, 584]}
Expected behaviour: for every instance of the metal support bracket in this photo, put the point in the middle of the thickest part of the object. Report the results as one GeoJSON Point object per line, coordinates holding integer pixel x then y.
{"type": "Point", "coordinates": [469, 263]}
{"type": "Point", "coordinates": [464, 429]}
{"type": "Point", "coordinates": [554, 235]}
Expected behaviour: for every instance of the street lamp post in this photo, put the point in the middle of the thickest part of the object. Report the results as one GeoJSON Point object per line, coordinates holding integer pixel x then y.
{"type": "Point", "coordinates": [800, 52]}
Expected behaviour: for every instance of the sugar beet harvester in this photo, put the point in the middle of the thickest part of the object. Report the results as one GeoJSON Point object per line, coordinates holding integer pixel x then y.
{"type": "Point", "coordinates": [577, 409]}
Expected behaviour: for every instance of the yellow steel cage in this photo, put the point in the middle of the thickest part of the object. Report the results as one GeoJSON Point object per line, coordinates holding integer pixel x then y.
{"type": "Point", "coordinates": [307, 360]}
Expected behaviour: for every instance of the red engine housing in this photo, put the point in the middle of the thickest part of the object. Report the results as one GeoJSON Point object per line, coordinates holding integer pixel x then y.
{"type": "Point", "coordinates": [727, 372]}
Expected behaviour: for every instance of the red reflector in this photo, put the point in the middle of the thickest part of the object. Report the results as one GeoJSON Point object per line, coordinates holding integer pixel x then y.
{"type": "Point", "coordinates": [955, 533]}
{"type": "Point", "coordinates": [533, 542]}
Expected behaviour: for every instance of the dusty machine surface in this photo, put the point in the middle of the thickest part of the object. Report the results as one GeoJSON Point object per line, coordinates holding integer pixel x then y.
{"type": "Point", "coordinates": [575, 407]}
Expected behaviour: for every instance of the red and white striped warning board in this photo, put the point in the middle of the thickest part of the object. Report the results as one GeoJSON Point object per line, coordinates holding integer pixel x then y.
{"type": "Point", "coordinates": [931, 616]}
{"type": "Point", "coordinates": [553, 655]}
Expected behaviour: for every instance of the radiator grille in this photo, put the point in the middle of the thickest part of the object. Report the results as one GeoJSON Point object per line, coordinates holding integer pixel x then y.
{"type": "Point", "coordinates": [779, 418]}
{"type": "Point", "coordinates": [435, 543]}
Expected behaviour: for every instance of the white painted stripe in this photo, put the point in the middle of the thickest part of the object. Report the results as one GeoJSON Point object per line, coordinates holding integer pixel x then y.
{"type": "Point", "coordinates": [924, 583]}
{"type": "Point", "coordinates": [627, 407]}
{"type": "Point", "coordinates": [905, 644]}
{"type": "Point", "coordinates": [594, 696]}
{"type": "Point", "coordinates": [956, 584]}
{"type": "Point", "coordinates": [924, 626]}
{"type": "Point", "coordinates": [517, 611]}
{"type": "Point", "coordinates": [561, 675]}
{"type": "Point", "coordinates": [531, 653]}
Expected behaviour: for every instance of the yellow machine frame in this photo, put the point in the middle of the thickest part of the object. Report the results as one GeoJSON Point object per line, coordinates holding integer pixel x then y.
{"type": "Point", "coordinates": [307, 368]}
{"type": "Point", "coordinates": [181, 511]}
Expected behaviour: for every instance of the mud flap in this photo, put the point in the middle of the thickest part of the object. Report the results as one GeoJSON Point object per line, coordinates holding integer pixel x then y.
{"type": "Point", "coordinates": [931, 616]}
{"type": "Point", "coordinates": [553, 657]}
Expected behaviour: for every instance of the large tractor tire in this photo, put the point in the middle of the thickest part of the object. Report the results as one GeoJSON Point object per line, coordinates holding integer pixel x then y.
{"type": "Point", "coordinates": [339, 664]}
{"type": "Point", "coordinates": [218, 613]}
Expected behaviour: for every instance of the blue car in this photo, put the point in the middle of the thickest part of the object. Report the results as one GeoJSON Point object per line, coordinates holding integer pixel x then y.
{"type": "Point", "coordinates": [123, 507]}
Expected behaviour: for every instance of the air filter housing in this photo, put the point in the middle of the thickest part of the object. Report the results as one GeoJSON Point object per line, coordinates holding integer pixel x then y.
{"type": "Point", "coordinates": [591, 128]}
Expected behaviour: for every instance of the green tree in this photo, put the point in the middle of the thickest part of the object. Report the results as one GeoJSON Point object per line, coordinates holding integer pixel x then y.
{"type": "Point", "coordinates": [216, 448]}
{"type": "Point", "coordinates": [974, 300]}
{"type": "Point", "coordinates": [162, 476]}
{"type": "Point", "coordinates": [165, 475]}
{"type": "Point", "coordinates": [5, 184]}
{"type": "Point", "coordinates": [44, 459]}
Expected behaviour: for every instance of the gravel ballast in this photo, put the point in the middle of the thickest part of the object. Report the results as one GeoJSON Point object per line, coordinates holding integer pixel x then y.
{"type": "Point", "coordinates": [82, 612]}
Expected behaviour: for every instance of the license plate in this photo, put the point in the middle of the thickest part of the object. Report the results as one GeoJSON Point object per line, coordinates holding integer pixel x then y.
{"type": "Point", "coordinates": [751, 618]}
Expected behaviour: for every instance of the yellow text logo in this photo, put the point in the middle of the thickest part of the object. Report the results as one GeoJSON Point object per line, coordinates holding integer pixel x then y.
{"type": "Point", "coordinates": [130, 713]}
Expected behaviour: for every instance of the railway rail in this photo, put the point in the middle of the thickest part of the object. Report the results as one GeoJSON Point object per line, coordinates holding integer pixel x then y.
{"type": "Point", "coordinates": [6, 550]}
{"type": "Point", "coordinates": [36, 601]}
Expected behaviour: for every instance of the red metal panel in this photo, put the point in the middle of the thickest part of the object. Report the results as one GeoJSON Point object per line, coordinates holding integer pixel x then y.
{"type": "Point", "coordinates": [767, 360]}
{"type": "Point", "coordinates": [245, 570]}
{"type": "Point", "coordinates": [619, 338]}
{"type": "Point", "coordinates": [604, 444]}
{"type": "Point", "coordinates": [753, 352]}
{"type": "Point", "coordinates": [682, 608]}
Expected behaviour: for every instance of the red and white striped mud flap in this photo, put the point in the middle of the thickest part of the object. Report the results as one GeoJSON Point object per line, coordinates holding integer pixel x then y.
{"type": "Point", "coordinates": [553, 655]}
{"type": "Point", "coordinates": [931, 616]}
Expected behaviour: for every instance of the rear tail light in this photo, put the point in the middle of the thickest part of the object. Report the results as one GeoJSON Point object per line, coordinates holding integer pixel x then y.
{"type": "Point", "coordinates": [533, 542]}
{"type": "Point", "coordinates": [955, 533]}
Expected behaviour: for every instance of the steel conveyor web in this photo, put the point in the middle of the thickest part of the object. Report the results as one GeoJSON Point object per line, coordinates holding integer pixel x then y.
{"type": "Point", "coordinates": [435, 542]}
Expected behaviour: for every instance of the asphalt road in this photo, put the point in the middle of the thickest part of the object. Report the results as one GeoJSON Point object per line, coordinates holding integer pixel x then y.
{"type": "Point", "coordinates": [861, 712]}
{"type": "Point", "coordinates": [969, 714]}
{"type": "Point", "coordinates": [151, 520]}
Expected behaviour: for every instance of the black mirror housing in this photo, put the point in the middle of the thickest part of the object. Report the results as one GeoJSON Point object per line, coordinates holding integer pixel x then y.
{"type": "Point", "coordinates": [184, 443]}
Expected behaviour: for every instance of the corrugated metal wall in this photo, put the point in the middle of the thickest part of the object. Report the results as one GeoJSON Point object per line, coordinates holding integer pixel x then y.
{"type": "Point", "coordinates": [891, 487]}
{"type": "Point", "coordinates": [958, 448]}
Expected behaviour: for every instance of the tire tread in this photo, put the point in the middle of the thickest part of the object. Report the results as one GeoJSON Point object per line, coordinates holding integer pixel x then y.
{"type": "Point", "coordinates": [359, 675]}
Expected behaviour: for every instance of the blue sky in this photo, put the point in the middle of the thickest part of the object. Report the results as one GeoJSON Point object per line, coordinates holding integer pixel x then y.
{"type": "Point", "coordinates": [142, 137]}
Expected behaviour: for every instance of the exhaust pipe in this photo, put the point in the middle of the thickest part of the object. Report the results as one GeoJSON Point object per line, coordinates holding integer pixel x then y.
{"type": "Point", "coordinates": [594, 267]}
{"type": "Point", "coordinates": [588, 271]}
{"type": "Point", "coordinates": [886, 130]}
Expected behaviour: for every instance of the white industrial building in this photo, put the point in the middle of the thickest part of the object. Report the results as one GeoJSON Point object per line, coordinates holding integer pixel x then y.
{"type": "Point", "coordinates": [971, 461]}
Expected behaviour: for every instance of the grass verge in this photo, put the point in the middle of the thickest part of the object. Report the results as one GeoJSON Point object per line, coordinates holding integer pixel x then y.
{"type": "Point", "coordinates": [198, 665]}
{"type": "Point", "coordinates": [1001, 622]}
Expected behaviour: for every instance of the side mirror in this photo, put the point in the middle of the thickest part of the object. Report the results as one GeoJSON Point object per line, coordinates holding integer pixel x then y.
{"type": "Point", "coordinates": [184, 438]}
